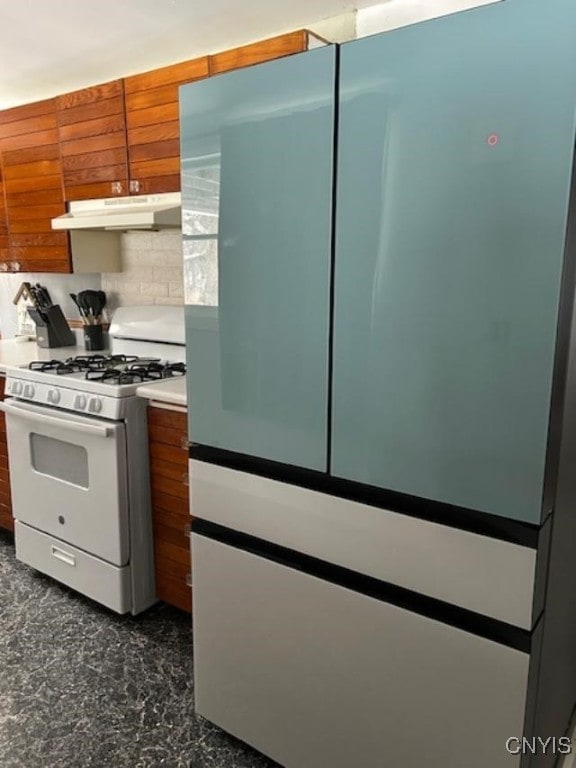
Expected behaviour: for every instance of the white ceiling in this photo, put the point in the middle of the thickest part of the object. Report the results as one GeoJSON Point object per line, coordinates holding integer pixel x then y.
{"type": "Point", "coordinates": [54, 46]}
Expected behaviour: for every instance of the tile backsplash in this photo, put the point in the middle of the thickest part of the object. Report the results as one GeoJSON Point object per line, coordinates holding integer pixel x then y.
{"type": "Point", "coordinates": [151, 270]}
{"type": "Point", "coordinates": [151, 274]}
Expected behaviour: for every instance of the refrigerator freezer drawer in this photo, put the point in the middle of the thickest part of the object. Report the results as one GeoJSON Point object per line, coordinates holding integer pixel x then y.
{"type": "Point", "coordinates": [315, 675]}
{"type": "Point", "coordinates": [103, 582]}
{"type": "Point", "coordinates": [491, 577]}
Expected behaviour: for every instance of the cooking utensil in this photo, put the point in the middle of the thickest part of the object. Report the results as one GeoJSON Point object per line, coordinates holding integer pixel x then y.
{"type": "Point", "coordinates": [90, 304]}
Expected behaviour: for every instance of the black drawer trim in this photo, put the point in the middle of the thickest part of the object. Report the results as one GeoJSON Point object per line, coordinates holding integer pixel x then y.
{"type": "Point", "coordinates": [470, 520]}
{"type": "Point", "coordinates": [469, 621]}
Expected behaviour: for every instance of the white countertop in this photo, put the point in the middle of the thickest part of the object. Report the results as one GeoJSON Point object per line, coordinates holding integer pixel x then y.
{"type": "Point", "coordinates": [21, 353]}
{"type": "Point", "coordinates": [168, 391]}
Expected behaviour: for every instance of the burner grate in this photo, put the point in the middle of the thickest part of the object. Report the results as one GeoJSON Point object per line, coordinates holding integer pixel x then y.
{"type": "Point", "coordinates": [114, 376]}
{"type": "Point", "coordinates": [112, 369]}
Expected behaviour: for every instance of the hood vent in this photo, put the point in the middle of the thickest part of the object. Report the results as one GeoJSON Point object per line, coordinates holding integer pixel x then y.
{"type": "Point", "coordinates": [123, 213]}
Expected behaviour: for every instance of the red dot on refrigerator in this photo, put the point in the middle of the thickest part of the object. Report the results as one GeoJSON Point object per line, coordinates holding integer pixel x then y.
{"type": "Point", "coordinates": [493, 140]}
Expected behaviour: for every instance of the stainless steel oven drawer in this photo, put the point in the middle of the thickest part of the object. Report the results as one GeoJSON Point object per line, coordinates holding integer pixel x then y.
{"type": "Point", "coordinates": [105, 583]}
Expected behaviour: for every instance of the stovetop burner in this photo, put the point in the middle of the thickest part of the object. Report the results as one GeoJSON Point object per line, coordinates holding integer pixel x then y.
{"type": "Point", "coordinates": [108, 370]}
{"type": "Point", "coordinates": [102, 363]}
{"type": "Point", "coordinates": [135, 372]}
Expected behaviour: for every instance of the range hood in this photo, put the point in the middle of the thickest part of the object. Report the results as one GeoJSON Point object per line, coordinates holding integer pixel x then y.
{"type": "Point", "coordinates": [121, 213]}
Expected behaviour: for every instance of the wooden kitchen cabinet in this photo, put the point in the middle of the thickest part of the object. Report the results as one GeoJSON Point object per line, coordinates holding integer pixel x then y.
{"type": "Point", "coordinates": [264, 50]}
{"type": "Point", "coordinates": [153, 126]}
{"type": "Point", "coordinates": [92, 136]}
{"type": "Point", "coordinates": [6, 519]}
{"type": "Point", "coordinates": [116, 138]}
{"type": "Point", "coordinates": [168, 445]}
{"type": "Point", "coordinates": [32, 181]}
{"type": "Point", "coordinates": [152, 119]}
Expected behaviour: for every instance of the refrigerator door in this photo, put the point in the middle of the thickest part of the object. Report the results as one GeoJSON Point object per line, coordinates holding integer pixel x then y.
{"type": "Point", "coordinates": [453, 184]}
{"type": "Point", "coordinates": [257, 147]}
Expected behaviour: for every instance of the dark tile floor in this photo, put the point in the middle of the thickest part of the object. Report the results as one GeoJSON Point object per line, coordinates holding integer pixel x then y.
{"type": "Point", "coordinates": [82, 687]}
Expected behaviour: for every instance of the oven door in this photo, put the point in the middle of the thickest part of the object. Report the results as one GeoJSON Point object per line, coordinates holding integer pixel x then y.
{"type": "Point", "coordinates": [68, 477]}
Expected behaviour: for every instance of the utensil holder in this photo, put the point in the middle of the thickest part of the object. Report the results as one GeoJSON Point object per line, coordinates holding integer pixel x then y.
{"type": "Point", "coordinates": [93, 338]}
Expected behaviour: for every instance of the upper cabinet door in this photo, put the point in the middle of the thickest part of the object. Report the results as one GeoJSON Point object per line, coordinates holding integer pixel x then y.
{"type": "Point", "coordinates": [257, 157]}
{"type": "Point", "coordinates": [33, 188]}
{"type": "Point", "coordinates": [455, 155]}
{"type": "Point", "coordinates": [153, 127]}
{"type": "Point", "coordinates": [92, 133]}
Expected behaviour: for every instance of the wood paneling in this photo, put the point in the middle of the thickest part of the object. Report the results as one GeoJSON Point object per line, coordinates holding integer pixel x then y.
{"type": "Point", "coordinates": [166, 435]}
{"type": "Point", "coordinates": [46, 263]}
{"type": "Point", "coordinates": [170, 487]}
{"type": "Point", "coordinates": [92, 134]}
{"type": "Point", "coordinates": [46, 197]}
{"type": "Point", "coordinates": [183, 72]}
{"type": "Point", "coordinates": [99, 143]}
{"type": "Point", "coordinates": [31, 155]}
{"type": "Point", "coordinates": [255, 53]}
{"type": "Point", "coordinates": [168, 469]}
{"type": "Point", "coordinates": [170, 505]}
{"type": "Point", "coordinates": [44, 238]}
{"type": "Point", "coordinates": [29, 140]}
{"type": "Point", "coordinates": [171, 591]}
{"type": "Point", "coordinates": [154, 151]}
{"type": "Point", "coordinates": [92, 95]}
{"type": "Point", "coordinates": [32, 181]}
{"type": "Point", "coordinates": [165, 417]}
{"type": "Point", "coordinates": [92, 143]}
{"type": "Point", "coordinates": [169, 453]}
{"type": "Point", "coordinates": [152, 117]}
{"type": "Point", "coordinates": [160, 500]}
{"type": "Point", "coordinates": [91, 191]}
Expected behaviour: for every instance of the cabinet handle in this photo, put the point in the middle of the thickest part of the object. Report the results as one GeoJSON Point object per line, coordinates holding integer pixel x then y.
{"type": "Point", "coordinates": [134, 186]}
{"type": "Point", "coordinates": [3, 267]}
{"type": "Point", "coordinates": [187, 530]}
{"type": "Point", "coordinates": [188, 579]}
{"type": "Point", "coordinates": [117, 187]}
{"type": "Point", "coordinates": [184, 442]}
{"type": "Point", "coordinates": [15, 266]}
{"type": "Point", "coordinates": [185, 479]}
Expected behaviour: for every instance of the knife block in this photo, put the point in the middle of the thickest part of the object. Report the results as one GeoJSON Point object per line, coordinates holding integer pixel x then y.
{"type": "Point", "coordinates": [52, 329]}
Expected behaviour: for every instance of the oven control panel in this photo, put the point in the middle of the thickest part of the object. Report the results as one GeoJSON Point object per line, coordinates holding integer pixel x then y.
{"type": "Point", "coordinates": [69, 399]}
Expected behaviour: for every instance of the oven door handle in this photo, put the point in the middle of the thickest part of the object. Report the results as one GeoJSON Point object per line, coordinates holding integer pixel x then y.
{"type": "Point", "coordinates": [54, 421]}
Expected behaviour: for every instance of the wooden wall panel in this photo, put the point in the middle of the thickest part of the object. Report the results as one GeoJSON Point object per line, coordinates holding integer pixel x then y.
{"type": "Point", "coordinates": [92, 134]}
{"type": "Point", "coordinates": [32, 186]}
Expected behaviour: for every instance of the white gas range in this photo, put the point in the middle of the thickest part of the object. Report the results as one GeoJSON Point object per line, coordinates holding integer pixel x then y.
{"type": "Point", "coordinates": [78, 453]}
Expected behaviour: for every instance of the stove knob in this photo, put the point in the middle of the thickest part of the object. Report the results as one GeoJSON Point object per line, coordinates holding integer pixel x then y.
{"type": "Point", "coordinates": [95, 405]}
{"type": "Point", "coordinates": [16, 388]}
{"type": "Point", "coordinates": [80, 402]}
{"type": "Point", "coordinates": [53, 396]}
{"type": "Point", "coordinates": [28, 390]}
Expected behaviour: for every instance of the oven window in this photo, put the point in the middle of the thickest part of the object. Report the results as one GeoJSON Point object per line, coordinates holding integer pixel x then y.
{"type": "Point", "coordinates": [61, 460]}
